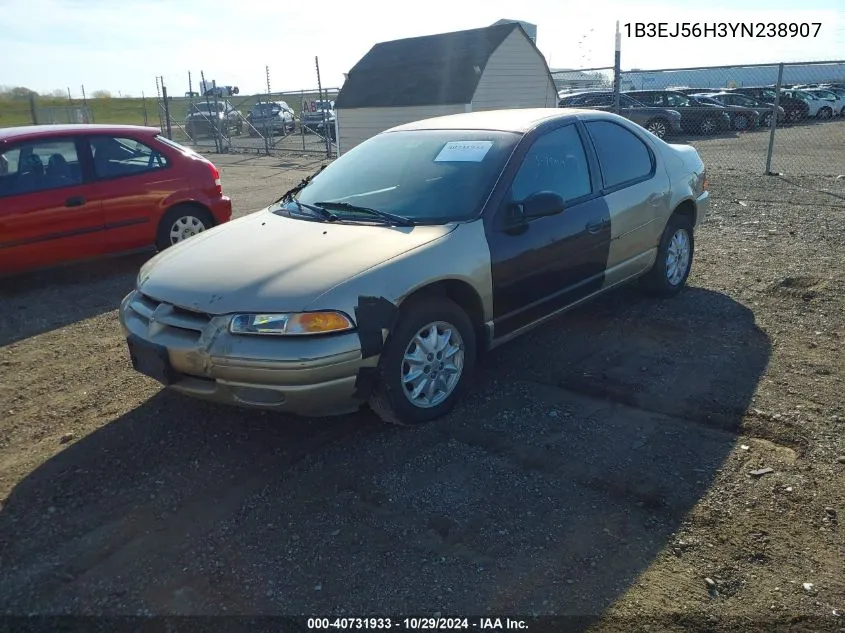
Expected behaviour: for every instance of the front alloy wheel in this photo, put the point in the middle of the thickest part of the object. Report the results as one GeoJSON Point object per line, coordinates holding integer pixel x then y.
{"type": "Point", "coordinates": [707, 126]}
{"type": "Point", "coordinates": [426, 362]}
{"type": "Point", "coordinates": [432, 364]}
{"type": "Point", "coordinates": [658, 127]}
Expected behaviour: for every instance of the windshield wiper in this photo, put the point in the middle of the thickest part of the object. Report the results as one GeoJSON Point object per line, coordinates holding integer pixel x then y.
{"type": "Point", "coordinates": [287, 195]}
{"type": "Point", "coordinates": [327, 215]}
{"type": "Point", "coordinates": [384, 215]}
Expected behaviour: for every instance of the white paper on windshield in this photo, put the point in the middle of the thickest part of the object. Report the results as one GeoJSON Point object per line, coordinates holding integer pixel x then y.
{"type": "Point", "coordinates": [464, 151]}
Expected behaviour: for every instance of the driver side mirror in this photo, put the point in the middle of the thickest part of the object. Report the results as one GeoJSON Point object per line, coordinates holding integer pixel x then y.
{"type": "Point", "coordinates": [539, 205]}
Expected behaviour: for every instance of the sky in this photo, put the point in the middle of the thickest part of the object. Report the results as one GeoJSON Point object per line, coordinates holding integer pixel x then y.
{"type": "Point", "coordinates": [123, 45]}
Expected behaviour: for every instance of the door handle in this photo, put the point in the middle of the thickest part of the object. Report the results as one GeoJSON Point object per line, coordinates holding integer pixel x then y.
{"type": "Point", "coordinates": [595, 227]}
{"type": "Point", "coordinates": [75, 201]}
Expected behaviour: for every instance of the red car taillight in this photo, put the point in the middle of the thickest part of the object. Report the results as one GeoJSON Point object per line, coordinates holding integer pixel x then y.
{"type": "Point", "coordinates": [215, 175]}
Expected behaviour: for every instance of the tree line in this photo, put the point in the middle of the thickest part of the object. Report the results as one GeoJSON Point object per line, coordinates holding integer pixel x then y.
{"type": "Point", "coordinates": [22, 93]}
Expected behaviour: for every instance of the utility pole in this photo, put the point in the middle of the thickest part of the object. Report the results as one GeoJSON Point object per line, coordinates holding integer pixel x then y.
{"type": "Point", "coordinates": [267, 70]}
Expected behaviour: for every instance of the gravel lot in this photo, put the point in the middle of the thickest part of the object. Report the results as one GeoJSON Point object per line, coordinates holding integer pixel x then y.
{"type": "Point", "coordinates": [601, 466]}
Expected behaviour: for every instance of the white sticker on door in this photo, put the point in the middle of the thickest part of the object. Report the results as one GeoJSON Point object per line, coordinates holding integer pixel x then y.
{"type": "Point", "coordinates": [464, 151]}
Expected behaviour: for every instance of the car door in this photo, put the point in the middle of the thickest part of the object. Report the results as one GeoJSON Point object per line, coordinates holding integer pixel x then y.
{"type": "Point", "coordinates": [635, 189]}
{"type": "Point", "coordinates": [49, 213]}
{"type": "Point", "coordinates": [135, 181]}
{"type": "Point", "coordinates": [544, 264]}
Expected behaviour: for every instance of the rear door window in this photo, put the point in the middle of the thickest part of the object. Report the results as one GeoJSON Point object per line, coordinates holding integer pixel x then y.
{"type": "Point", "coordinates": [115, 157]}
{"type": "Point", "coordinates": [624, 159]}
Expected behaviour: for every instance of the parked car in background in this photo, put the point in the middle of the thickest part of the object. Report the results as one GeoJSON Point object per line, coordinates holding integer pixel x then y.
{"type": "Point", "coordinates": [662, 122]}
{"type": "Point", "coordinates": [818, 108]}
{"type": "Point", "coordinates": [764, 110]}
{"type": "Point", "coordinates": [316, 115]}
{"type": "Point", "coordinates": [74, 192]}
{"type": "Point", "coordinates": [204, 117]}
{"type": "Point", "coordinates": [696, 118]}
{"type": "Point", "coordinates": [742, 118]}
{"type": "Point", "coordinates": [836, 100]}
{"type": "Point", "coordinates": [796, 109]}
{"type": "Point", "coordinates": [275, 117]}
{"type": "Point", "coordinates": [384, 285]}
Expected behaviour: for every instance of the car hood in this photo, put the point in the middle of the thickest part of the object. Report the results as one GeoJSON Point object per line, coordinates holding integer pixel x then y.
{"type": "Point", "coordinates": [266, 262]}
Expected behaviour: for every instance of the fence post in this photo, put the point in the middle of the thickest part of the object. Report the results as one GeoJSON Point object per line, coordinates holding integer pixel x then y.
{"type": "Point", "coordinates": [204, 87]}
{"type": "Point", "coordinates": [166, 112]}
{"type": "Point", "coordinates": [144, 107]}
{"type": "Point", "coordinates": [617, 69]}
{"type": "Point", "coordinates": [774, 122]}
{"type": "Point", "coordinates": [32, 111]}
{"type": "Point", "coordinates": [301, 111]}
{"type": "Point", "coordinates": [323, 109]}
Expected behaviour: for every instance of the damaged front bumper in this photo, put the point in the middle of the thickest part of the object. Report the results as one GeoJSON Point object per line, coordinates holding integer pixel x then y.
{"type": "Point", "coordinates": [194, 354]}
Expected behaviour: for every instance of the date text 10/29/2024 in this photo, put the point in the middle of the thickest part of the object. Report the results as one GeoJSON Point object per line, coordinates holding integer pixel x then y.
{"type": "Point", "coordinates": [722, 29]}
{"type": "Point", "coordinates": [417, 624]}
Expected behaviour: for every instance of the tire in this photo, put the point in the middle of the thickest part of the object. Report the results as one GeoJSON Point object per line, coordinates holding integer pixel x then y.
{"type": "Point", "coordinates": [659, 127]}
{"type": "Point", "coordinates": [825, 113]}
{"type": "Point", "coordinates": [740, 122]}
{"type": "Point", "coordinates": [192, 218]}
{"type": "Point", "coordinates": [659, 282]}
{"type": "Point", "coordinates": [708, 126]}
{"type": "Point", "coordinates": [766, 121]}
{"type": "Point", "coordinates": [794, 115]}
{"type": "Point", "coordinates": [390, 399]}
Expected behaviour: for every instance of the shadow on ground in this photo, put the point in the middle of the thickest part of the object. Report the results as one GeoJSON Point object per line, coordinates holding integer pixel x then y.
{"type": "Point", "coordinates": [74, 293]}
{"type": "Point", "coordinates": [553, 486]}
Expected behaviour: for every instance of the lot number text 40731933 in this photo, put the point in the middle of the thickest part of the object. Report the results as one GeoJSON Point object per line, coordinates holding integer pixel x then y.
{"type": "Point", "coordinates": [722, 29]}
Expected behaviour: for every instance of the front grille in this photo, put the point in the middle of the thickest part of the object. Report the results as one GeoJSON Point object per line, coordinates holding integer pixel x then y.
{"type": "Point", "coordinates": [150, 309]}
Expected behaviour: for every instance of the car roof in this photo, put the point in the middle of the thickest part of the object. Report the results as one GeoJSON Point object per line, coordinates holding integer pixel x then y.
{"type": "Point", "coordinates": [69, 129]}
{"type": "Point", "coordinates": [513, 120]}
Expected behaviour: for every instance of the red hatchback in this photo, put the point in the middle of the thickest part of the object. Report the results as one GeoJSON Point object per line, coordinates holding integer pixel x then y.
{"type": "Point", "coordinates": [74, 192]}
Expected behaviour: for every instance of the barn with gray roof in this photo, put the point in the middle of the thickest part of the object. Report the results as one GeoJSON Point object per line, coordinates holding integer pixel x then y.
{"type": "Point", "coordinates": [398, 82]}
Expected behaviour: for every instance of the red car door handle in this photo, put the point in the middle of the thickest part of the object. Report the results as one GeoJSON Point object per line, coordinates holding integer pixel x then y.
{"type": "Point", "coordinates": [75, 201]}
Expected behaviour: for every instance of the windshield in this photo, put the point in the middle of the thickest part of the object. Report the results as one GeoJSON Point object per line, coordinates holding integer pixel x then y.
{"type": "Point", "coordinates": [266, 108]}
{"type": "Point", "coordinates": [739, 99]}
{"type": "Point", "coordinates": [428, 176]}
{"type": "Point", "coordinates": [677, 99]}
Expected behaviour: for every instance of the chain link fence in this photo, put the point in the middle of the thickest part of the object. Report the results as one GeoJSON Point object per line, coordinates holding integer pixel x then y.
{"type": "Point", "coordinates": [786, 119]}
{"type": "Point", "coordinates": [301, 121]}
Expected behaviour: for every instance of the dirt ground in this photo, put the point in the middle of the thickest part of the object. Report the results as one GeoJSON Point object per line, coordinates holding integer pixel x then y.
{"type": "Point", "coordinates": [607, 465]}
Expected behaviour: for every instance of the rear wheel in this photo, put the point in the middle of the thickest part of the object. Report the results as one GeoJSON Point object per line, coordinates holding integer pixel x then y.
{"type": "Point", "coordinates": [658, 127]}
{"type": "Point", "coordinates": [180, 223]}
{"type": "Point", "coordinates": [740, 122]}
{"type": "Point", "coordinates": [426, 364]}
{"type": "Point", "coordinates": [825, 113]}
{"type": "Point", "coordinates": [672, 266]}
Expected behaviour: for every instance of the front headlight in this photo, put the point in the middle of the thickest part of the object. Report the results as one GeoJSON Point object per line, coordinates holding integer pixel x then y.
{"type": "Point", "coordinates": [290, 324]}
